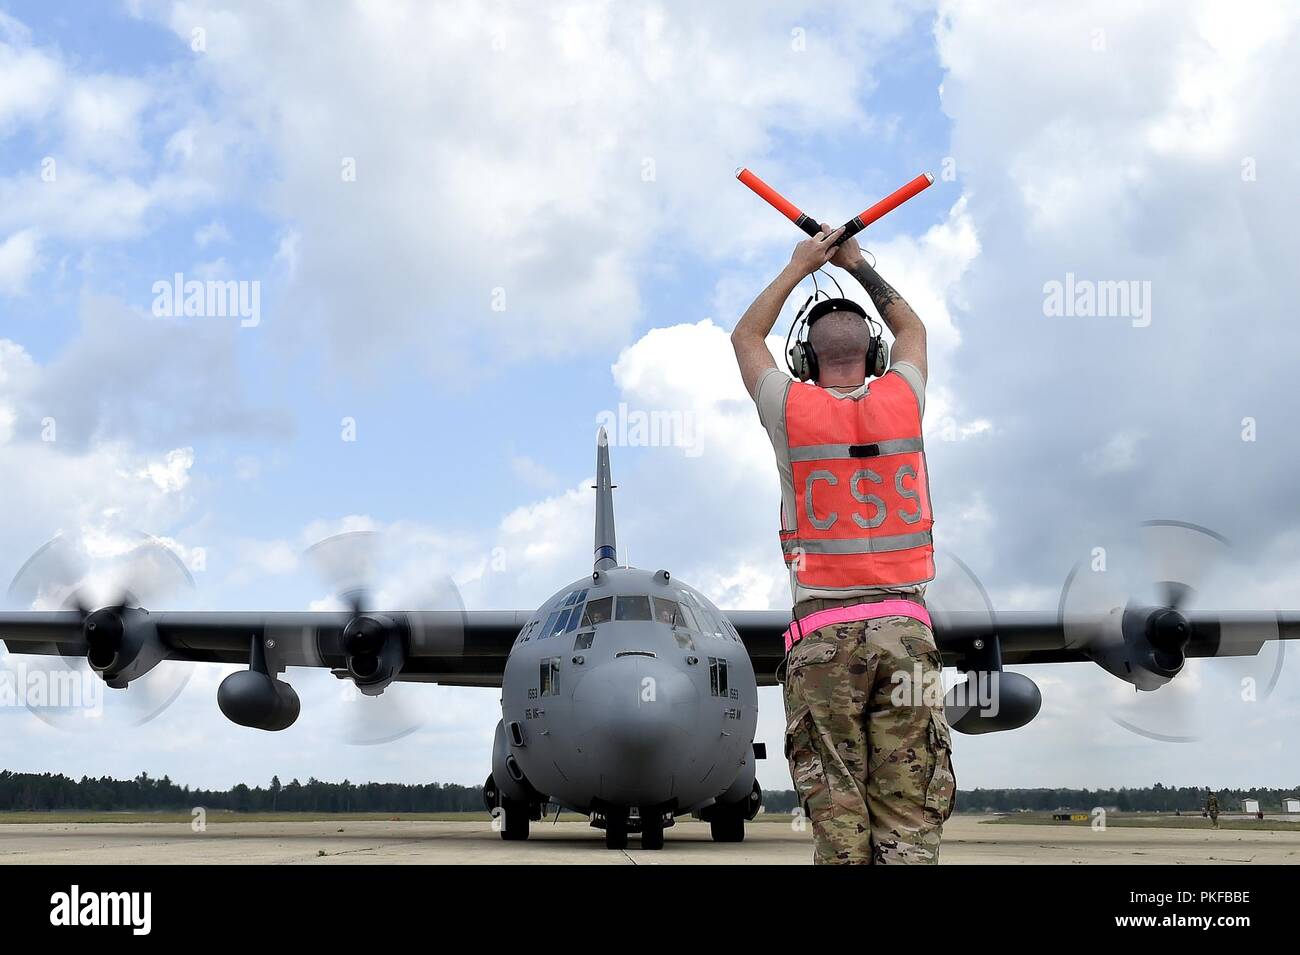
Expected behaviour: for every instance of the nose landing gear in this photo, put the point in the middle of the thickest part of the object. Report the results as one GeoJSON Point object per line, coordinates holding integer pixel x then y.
{"type": "Point", "coordinates": [618, 822]}
{"type": "Point", "coordinates": [616, 831]}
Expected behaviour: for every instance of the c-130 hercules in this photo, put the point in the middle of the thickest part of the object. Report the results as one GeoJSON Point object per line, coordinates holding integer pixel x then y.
{"type": "Point", "coordinates": [627, 696]}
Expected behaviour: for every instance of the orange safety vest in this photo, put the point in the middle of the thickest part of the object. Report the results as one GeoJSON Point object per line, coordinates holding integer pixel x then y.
{"type": "Point", "coordinates": [862, 497]}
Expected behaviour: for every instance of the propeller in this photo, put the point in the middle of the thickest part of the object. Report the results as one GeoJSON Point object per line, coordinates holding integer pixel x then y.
{"type": "Point", "coordinates": [1131, 607]}
{"type": "Point", "coordinates": [107, 580]}
{"type": "Point", "coordinates": [377, 707]}
{"type": "Point", "coordinates": [957, 590]}
{"type": "Point", "coordinates": [984, 702]}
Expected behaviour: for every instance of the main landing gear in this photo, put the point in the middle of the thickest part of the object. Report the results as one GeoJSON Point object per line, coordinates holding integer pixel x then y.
{"type": "Point", "coordinates": [727, 820]}
{"type": "Point", "coordinates": [513, 817]}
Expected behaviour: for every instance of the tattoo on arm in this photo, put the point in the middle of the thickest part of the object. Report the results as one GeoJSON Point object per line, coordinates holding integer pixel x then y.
{"type": "Point", "coordinates": [881, 292]}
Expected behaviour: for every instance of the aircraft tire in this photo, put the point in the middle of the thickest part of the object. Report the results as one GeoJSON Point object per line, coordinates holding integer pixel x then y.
{"type": "Point", "coordinates": [515, 828]}
{"type": "Point", "coordinates": [652, 834]}
{"type": "Point", "coordinates": [615, 833]}
{"type": "Point", "coordinates": [727, 828]}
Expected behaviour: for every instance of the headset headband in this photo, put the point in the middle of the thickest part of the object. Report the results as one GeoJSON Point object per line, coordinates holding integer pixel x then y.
{"type": "Point", "coordinates": [828, 305]}
{"type": "Point", "coordinates": [801, 359]}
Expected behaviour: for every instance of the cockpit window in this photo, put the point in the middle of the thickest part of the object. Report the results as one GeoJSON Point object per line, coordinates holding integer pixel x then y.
{"type": "Point", "coordinates": [709, 622]}
{"type": "Point", "coordinates": [598, 612]}
{"type": "Point", "coordinates": [688, 617]}
{"type": "Point", "coordinates": [583, 640]}
{"type": "Point", "coordinates": [633, 607]}
{"type": "Point", "coordinates": [561, 621]}
{"type": "Point", "coordinates": [549, 627]}
{"type": "Point", "coordinates": [667, 611]}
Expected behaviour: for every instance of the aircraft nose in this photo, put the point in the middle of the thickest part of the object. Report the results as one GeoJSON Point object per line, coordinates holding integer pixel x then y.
{"type": "Point", "coordinates": [639, 712]}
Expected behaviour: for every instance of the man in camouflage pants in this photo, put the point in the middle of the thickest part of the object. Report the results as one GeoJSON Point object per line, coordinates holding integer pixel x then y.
{"type": "Point", "coordinates": [874, 777]}
{"type": "Point", "coordinates": [868, 744]}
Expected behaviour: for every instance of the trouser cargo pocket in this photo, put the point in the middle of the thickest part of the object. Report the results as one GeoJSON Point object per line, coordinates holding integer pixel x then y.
{"type": "Point", "coordinates": [941, 792]}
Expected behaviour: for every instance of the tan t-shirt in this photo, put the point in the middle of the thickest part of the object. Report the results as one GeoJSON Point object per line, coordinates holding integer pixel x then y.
{"type": "Point", "coordinates": [773, 385]}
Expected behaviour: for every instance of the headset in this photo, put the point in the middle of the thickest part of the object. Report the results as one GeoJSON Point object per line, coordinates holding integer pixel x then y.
{"type": "Point", "coordinates": [800, 357]}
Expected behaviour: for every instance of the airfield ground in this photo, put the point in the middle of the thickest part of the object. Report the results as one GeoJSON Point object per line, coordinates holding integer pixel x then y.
{"type": "Point", "coordinates": [469, 839]}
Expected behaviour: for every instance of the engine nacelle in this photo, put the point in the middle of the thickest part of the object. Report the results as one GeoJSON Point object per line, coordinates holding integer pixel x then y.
{"type": "Point", "coordinates": [1142, 645]}
{"type": "Point", "coordinates": [258, 701]}
{"type": "Point", "coordinates": [992, 702]}
{"type": "Point", "coordinates": [375, 650]}
{"type": "Point", "coordinates": [1157, 640]}
{"type": "Point", "coordinates": [122, 644]}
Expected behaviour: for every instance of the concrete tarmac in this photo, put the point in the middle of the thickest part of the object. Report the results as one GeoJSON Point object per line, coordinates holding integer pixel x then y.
{"type": "Point", "coordinates": [343, 841]}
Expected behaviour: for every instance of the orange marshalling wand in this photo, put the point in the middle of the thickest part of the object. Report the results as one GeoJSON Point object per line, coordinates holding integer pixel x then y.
{"type": "Point", "coordinates": [851, 228]}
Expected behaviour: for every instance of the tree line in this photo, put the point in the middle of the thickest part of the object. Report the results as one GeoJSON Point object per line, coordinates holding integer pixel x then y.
{"type": "Point", "coordinates": [1157, 798]}
{"type": "Point", "coordinates": [54, 792]}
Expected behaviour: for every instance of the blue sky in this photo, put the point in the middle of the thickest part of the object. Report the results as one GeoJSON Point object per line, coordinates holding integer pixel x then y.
{"type": "Point", "coordinates": [503, 150]}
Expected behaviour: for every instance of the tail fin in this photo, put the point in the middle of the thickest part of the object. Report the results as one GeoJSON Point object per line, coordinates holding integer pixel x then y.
{"type": "Point", "coordinates": [606, 554]}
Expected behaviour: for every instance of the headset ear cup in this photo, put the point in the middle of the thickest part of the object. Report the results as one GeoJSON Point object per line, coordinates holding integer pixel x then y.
{"type": "Point", "coordinates": [794, 361]}
{"type": "Point", "coordinates": [881, 358]}
{"type": "Point", "coordinates": [803, 362]}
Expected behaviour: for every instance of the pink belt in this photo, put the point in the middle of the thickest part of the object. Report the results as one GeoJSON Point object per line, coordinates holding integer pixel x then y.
{"type": "Point", "coordinates": [852, 614]}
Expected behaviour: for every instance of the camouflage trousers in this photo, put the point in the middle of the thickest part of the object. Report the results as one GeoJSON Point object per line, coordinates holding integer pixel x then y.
{"type": "Point", "coordinates": [871, 762]}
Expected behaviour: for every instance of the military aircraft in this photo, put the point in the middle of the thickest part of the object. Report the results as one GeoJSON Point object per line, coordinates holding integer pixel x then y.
{"type": "Point", "coordinates": [627, 696]}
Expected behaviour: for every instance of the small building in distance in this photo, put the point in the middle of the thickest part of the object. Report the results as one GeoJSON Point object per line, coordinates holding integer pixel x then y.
{"type": "Point", "coordinates": [1250, 805]}
{"type": "Point", "coordinates": [1290, 804]}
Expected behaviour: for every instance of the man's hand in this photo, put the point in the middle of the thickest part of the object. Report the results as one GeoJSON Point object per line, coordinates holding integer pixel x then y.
{"type": "Point", "coordinates": [849, 254]}
{"type": "Point", "coordinates": [811, 254]}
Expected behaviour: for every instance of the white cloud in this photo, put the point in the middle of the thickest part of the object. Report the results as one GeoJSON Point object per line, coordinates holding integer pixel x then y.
{"type": "Point", "coordinates": [90, 184]}
{"type": "Point", "coordinates": [29, 80]}
{"type": "Point", "coordinates": [504, 171]}
{"type": "Point", "coordinates": [214, 231]}
{"type": "Point", "coordinates": [19, 259]}
{"type": "Point", "coordinates": [1116, 456]}
{"type": "Point", "coordinates": [171, 473]}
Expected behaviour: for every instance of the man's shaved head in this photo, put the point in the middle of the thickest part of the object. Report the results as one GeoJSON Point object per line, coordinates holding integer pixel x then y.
{"type": "Point", "coordinates": [840, 340]}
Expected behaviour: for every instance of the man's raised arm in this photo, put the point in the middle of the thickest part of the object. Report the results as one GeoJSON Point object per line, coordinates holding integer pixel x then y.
{"type": "Point", "coordinates": [904, 324]}
{"type": "Point", "coordinates": [749, 338]}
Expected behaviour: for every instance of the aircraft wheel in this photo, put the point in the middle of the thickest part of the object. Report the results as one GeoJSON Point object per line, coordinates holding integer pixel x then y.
{"type": "Point", "coordinates": [515, 819]}
{"type": "Point", "coordinates": [615, 833]}
{"type": "Point", "coordinates": [652, 834]}
{"type": "Point", "coordinates": [728, 829]}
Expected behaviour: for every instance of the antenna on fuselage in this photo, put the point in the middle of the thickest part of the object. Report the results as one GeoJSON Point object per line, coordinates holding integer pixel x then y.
{"type": "Point", "coordinates": [606, 554]}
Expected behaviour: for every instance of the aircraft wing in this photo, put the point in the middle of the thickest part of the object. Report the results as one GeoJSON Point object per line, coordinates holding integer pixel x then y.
{"type": "Point", "coordinates": [456, 648]}
{"type": "Point", "coordinates": [1029, 636]}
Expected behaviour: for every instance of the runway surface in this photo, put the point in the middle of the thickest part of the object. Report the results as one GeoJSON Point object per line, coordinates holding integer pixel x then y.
{"type": "Point", "coordinates": [343, 841]}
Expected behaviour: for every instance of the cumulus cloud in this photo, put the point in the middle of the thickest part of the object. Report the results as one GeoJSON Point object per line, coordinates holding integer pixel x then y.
{"type": "Point", "coordinates": [1083, 176]}
{"type": "Point", "coordinates": [153, 382]}
{"type": "Point", "coordinates": [502, 175]}
{"type": "Point", "coordinates": [19, 258]}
